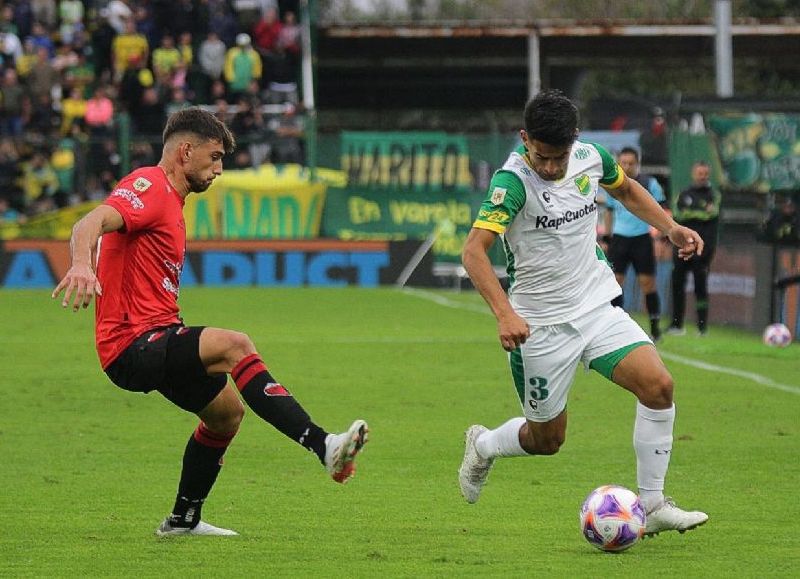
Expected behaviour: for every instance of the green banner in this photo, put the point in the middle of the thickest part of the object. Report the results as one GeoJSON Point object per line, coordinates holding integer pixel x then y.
{"type": "Point", "coordinates": [415, 161]}
{"type": "Point", "coordinates": [358, 214]}
{"type": "Point", "coordinates": [402, 185]}
{"type": "Point", "coordinates": [758, 152]}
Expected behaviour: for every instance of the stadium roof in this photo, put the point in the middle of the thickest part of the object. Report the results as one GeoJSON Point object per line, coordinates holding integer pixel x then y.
{"type": "Point", "coordinates": [364, 62]}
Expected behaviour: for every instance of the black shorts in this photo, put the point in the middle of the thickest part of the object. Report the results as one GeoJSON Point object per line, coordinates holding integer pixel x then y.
{"type": "Point", "coordinates": [168, 360]}
{"type": "Point", "coordinates": [624, 251]}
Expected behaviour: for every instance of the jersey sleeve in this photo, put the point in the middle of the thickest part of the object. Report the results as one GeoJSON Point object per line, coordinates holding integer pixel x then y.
{"type": "Point", "coordinates": [505, 199]}
{"type": "Point", "coordinates": [613, 174]}
{"type": "Point", "coordinates": [137, 202]}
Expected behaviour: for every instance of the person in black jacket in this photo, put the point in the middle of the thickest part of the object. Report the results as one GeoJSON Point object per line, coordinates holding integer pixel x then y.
{"type": "Point", "coordinates": [696, 207]}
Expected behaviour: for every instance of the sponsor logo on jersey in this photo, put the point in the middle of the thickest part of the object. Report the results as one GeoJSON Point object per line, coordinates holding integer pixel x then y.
{"type": "Point", "coordinates": [275, 389]}
{"type": "Point", "coordinates": [581, 153]}
{"type": "Point", "coordinates": [141, 184]}
{"type": "Point", "coordinates": [583, 183]}
{"type": "Point", "coordinates": [548, 222]}
{"type": "Point", "coordinates": [498, 195]}
{"type": "Point", "coordinates": [131, 197]}
{"type": "Point", "coordinates": [497, 216]}
{"type": "Point", "coordinates": [167, 284]}
{"type": "Point", "coordinates": [546, 197]}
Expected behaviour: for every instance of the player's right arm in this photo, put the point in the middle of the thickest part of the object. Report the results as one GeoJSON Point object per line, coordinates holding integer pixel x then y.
{"type": "Point", "coordinates": [505, 199]}
{"type": "Point", "coordinates": [80, 284]}
{"type": "Point", "coordinates": [511, 328]}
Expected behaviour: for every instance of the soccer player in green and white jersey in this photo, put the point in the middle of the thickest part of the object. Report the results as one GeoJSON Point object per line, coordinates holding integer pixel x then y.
{"type": "Point", "coordinates": [557, 311]}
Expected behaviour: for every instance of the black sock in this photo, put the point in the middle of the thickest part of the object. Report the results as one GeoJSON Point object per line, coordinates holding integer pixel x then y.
{"type": "Point", "coordinates": [202, 461]}
{"type": "Point", "coordinates": [702, 315]}
{"type": "Point", "coordinates": [653, 305]}
{"type": "Point", "coordinates": [274, 404]}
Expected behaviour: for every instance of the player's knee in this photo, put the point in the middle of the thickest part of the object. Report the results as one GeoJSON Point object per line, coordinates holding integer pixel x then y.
{"type": "Point", "coordinates": [659, 392]}
{"type": "Point", "coordinates": [240, 345]}
{"type": "Point", "coordinates": [227, 421]}
{"type": "Point", "coordinates": [549, 445]}
{"type": "Point", "coordinates": [542, 443]}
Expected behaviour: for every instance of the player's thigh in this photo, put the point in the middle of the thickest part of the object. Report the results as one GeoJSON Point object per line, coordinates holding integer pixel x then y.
{"type": "Point", "coordinates": [610, 334]}
{"type": "Point", "coordinates": [543, 369]}
{"type": "Point", "coordinates": [142, 365]}
{"type": "Point", "coordinates": [187, 383]}
{"type": "Point", "coordinates": [643, 373]}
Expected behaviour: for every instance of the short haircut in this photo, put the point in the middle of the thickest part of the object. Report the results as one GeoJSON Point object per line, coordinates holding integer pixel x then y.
{"type": "Point", "coordinates": [629, 151]}
{"type": "Point", "coordinates": [550, 117]}
{"type": "Point", "coordinates": [201, 123]}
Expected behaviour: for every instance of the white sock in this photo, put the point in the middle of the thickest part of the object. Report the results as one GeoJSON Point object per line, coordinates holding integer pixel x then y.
{"type": "Point", "coordinates": [652, 442]}
{"type": "Point", "coordinates": [502, 441]}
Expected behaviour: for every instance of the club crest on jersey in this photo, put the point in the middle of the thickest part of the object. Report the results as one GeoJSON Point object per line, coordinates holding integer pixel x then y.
{"type": "Point", "coordinates": [141, 184]}
{"type": "Point", "coordinates": [498, 195]}
{"type": "Point", "coordinates": [275, 389]}
{"type": "Point", "coordinates": [583, 183]}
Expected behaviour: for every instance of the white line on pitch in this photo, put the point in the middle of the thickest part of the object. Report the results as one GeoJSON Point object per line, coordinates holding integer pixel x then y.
{"type": "Point", "coordinates": [757, 378]}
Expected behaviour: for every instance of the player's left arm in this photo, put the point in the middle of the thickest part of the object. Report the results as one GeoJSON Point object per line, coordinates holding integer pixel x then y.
{"type": "Point", "coordinates": [642, 204]}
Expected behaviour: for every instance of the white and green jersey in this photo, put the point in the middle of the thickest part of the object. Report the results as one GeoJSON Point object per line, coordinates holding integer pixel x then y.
{"type": "Point", "coordinates": [549, 230]}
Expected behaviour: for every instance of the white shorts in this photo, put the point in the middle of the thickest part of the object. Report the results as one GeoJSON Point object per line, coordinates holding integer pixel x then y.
{"type": "Point", "coordinates": [544, 366]}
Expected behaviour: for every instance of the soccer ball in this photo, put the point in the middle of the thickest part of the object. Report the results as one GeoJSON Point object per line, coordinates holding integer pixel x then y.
{"type": "Point", "coordinates": [612, 518]}
{"type": "Point", "coordinates": [777, 335]}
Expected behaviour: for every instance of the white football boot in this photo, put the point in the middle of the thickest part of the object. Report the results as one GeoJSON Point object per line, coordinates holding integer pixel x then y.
{"type": "Point", "coordinates": [668, 517]}
{"type": "Point", "coordinates": [167, 530]}
{"type": "Point", "coordinates": [341, 450]}
{"type": "Point", "coordinates": [474, 468]}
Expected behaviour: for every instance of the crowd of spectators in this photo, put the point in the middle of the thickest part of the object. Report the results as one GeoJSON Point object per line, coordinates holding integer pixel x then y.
{"type": "Point", "coordinates": [68, 68]}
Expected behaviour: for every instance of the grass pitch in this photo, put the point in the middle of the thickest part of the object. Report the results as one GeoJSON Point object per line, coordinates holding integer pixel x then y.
{"type": "Point", "coordinates": [88, 470]}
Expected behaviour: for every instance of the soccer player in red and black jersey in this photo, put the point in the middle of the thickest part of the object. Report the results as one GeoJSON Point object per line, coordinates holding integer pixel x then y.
{"type": "Point", "coordinates": [128, 254]}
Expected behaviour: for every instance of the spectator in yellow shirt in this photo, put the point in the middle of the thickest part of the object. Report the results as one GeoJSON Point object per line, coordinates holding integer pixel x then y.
{"type": "Point", "coordinates": [73, 107]}
{"type": "Point", "coordinates": [128, 45]}
{"type": "Point", "coordinates": [166, 57]}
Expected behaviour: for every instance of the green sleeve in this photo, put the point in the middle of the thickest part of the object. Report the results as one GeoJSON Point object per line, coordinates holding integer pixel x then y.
{"type": "Point", "coordinates": [612, 176]}
{"type": "Point", "coordinates": [504, 200]}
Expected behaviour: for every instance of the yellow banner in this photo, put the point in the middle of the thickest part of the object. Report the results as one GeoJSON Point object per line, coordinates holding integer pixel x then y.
{"type": "Point", "coordinates": [53, 225]}
{"type": "Point", "coordinates": [263, 203]}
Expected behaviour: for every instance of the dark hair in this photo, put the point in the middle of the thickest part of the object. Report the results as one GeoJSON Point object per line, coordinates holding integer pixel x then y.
{"type": "Point", "coordinates": [550, 117]}
{"type": "Point", "coordinates": [202, 123]}
{"type": "Point", "coordinates": [629, 151]}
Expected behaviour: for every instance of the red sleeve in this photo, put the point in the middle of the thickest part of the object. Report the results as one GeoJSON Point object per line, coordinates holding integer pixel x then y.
{"type": "Point", "coordinates": [136, 199]}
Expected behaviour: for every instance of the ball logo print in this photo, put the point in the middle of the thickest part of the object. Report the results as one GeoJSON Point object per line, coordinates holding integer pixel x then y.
{"type": "Point", "coordinates": [777, 336]}
{"type": "Point", "coordinates": [612, 518]}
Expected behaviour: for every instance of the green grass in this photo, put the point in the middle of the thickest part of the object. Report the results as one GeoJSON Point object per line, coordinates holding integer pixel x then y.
{"type": "Point", "coordinates": [88, 470]}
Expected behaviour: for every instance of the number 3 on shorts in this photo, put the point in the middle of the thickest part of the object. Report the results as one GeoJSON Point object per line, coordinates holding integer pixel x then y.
{"type": "Point", "coordinates": [539, 389]}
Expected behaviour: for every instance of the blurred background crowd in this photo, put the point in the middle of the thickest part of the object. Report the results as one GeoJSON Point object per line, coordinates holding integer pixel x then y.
{"type": "Point", "coordinates": [72, 71]}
